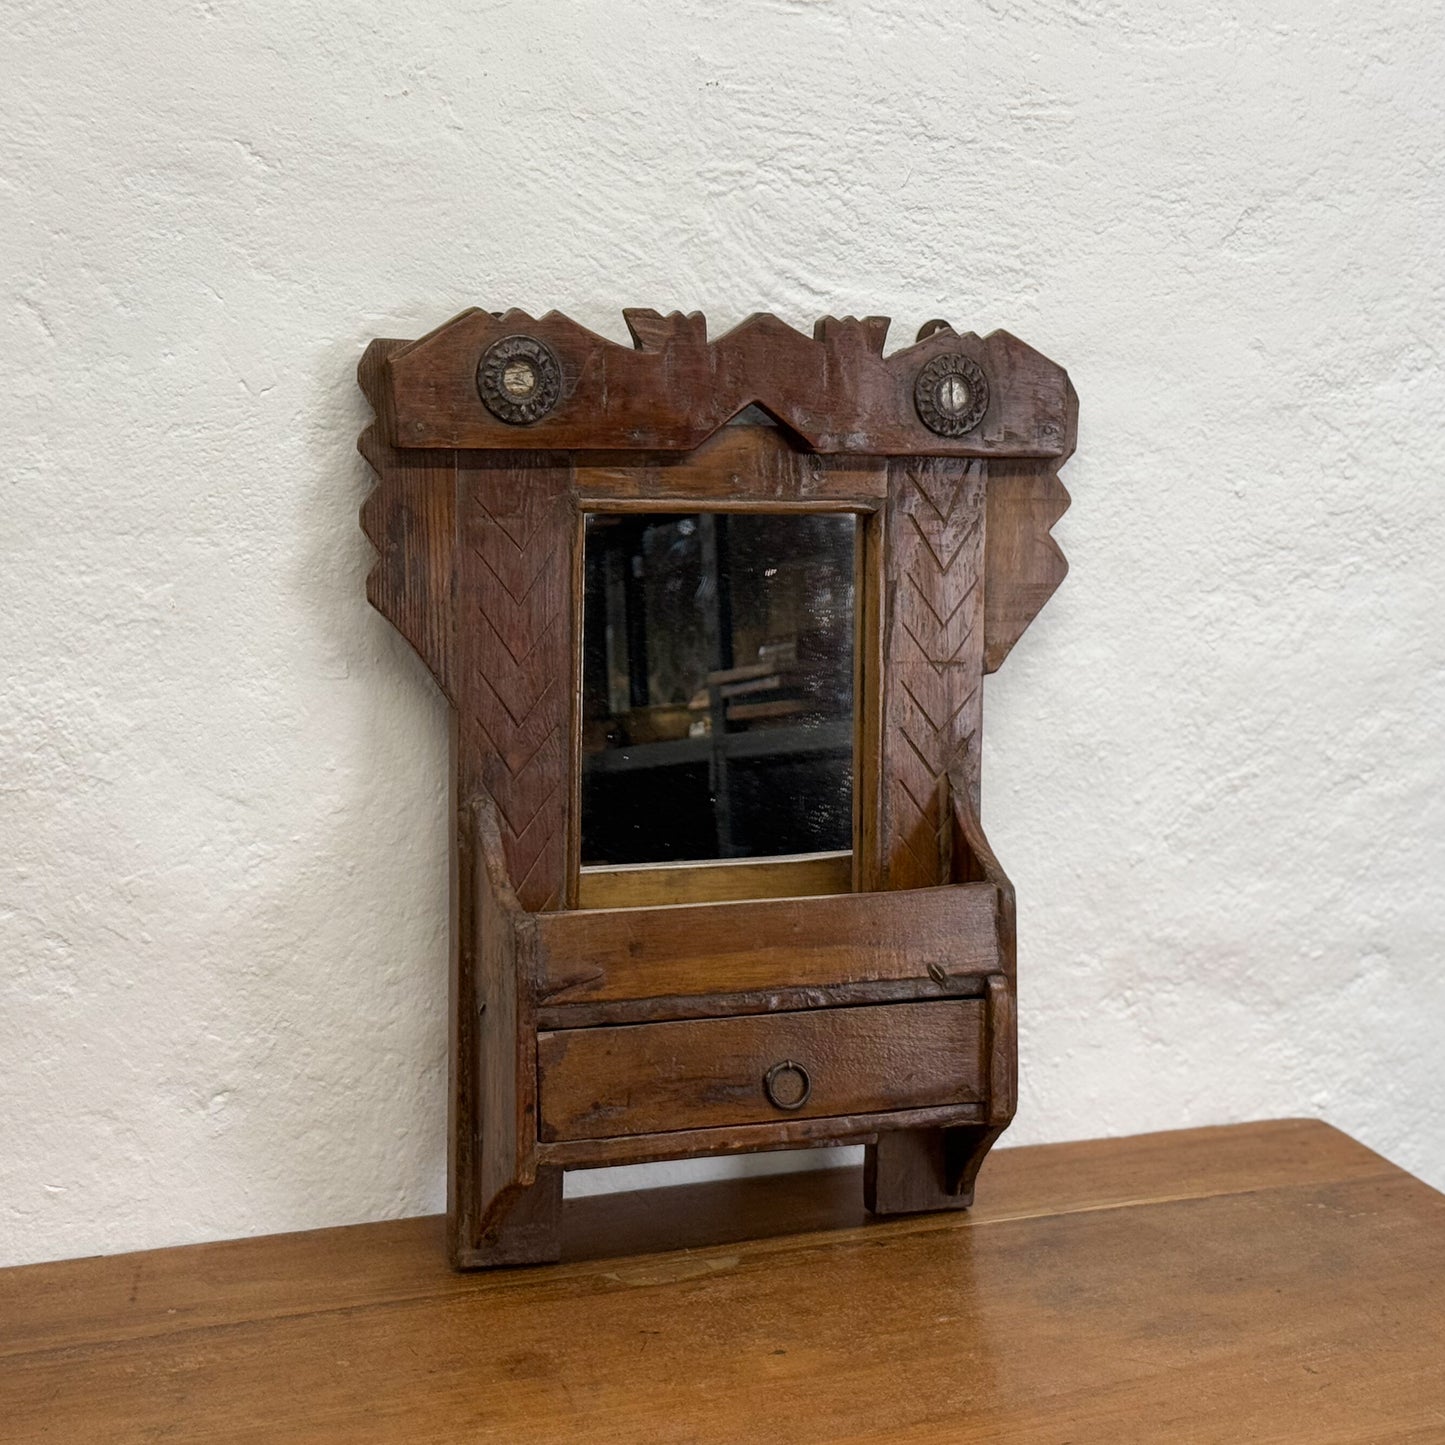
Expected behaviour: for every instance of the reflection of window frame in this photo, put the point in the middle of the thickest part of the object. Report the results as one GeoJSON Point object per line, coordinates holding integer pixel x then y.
{"type": "Point", "coordinates": [614, 563]}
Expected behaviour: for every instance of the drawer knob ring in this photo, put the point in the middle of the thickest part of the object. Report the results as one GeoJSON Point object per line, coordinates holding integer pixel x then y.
{"type": "Point", "coordinates": [787, 1085]}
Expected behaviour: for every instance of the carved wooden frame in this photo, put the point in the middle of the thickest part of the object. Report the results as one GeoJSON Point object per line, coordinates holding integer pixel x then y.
{"type": "Point", "coordinates": [477, 515]}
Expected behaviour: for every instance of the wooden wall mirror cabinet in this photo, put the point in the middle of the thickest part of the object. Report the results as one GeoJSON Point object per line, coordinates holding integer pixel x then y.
{"type": "Point", "coordinates": [713, 618]}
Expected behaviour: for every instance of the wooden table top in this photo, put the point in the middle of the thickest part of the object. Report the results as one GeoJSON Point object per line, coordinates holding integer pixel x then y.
{"type": "Point", "coordinates": [1261, 1283]}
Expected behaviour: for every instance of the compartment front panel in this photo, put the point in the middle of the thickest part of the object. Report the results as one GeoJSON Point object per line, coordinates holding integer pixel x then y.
{"type": "Point", "coordinates": [712, 1073]}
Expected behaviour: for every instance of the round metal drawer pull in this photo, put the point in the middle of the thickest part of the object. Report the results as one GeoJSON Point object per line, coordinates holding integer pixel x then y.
{"type": "Point", "coordinates": [787, 1085]}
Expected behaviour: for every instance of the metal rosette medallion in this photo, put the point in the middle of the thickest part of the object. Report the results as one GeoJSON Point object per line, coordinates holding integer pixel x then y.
{"type": "Point", "coordinates": [951, 394]}
{"type": "Point", "coordinates": [519, 380]}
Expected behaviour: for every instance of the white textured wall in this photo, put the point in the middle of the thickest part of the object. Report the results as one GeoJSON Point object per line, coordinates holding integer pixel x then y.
{"type": "Point", "coordinates": [1215, 765]}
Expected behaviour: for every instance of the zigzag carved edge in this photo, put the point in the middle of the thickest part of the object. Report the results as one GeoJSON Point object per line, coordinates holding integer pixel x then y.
{"type": "Point", "coordinates": [1023, 562]}
{"type": "Point", "coordinates": [673, 388]}
{"type": "Point", "coordinates": [410, 518]}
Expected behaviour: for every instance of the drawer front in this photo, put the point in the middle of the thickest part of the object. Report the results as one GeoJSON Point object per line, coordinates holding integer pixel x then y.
{"type": "Point", "coordinates": [655, 1078]}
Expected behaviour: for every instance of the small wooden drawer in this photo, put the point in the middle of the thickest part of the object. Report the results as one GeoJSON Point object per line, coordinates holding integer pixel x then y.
{"type": "Point", "coordinates": [599, 1083]}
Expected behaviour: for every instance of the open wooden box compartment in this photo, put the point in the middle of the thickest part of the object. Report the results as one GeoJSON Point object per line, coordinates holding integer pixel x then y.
{"type": "Point", "coordinates": [612, 1016]}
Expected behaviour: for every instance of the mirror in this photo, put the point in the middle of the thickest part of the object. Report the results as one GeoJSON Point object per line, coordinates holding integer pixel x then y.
{"type": "Point", "coordinates": [718, 662]}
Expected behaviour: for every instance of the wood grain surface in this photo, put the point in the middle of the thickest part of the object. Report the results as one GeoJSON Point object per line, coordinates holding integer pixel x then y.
{"type": "Point", "coordinates": [1263, 1283]}
{"type": "Point", "coordinates": [705, 1073]}
{"type": "Point", "coordinates": [675, 388]}
{"type": "Point", "coordinates": [478, 516]}
{"type": "Point", "coordinates": [588, 955]}
{"type": "Point", "coordinates": [515, 640]}
{"type": "Point", "coordinates": [786, 1132]}
{"type": "Point", "coordinates": [714, 880]}
{"type": "Point", "coordinates": [1023, 565]}
{"type": "Point", "coordinates": [410, 518]}
{"type": "Point", "coordinates": [747, 465]}
{"type": "Point", "coordinates": [932, 668]}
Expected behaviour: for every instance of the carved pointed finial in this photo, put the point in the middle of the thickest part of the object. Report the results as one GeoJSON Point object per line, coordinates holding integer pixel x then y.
{"type": "Point", "coordinates": [370, 370]}
{"type": "Point", "coordinates": [869, 334]}
{"type": "Point", "coordinates": [875, 328]}
{"type": "Point", "coordinates": [652, 331]}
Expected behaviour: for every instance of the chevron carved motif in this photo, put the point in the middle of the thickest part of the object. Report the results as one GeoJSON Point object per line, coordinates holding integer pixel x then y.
{"type": "Point", "coordinates": [934, 658]}
{"type": "Point", "coordinates": [515, 640]}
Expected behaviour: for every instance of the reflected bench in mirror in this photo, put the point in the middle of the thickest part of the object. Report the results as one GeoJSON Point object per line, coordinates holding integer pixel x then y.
{"type": "Point", "coordinates": [718, 662]}
{"type": "Point", "coordinates": [713, 618]}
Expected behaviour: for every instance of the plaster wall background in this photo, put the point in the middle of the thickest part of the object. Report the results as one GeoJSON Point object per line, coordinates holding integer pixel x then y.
{"type": "Point", "coordinates": [1214, 765]}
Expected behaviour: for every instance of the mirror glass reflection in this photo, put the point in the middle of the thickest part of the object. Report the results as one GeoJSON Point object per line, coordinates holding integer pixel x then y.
{"type": "Point", "coordinates": [718, 678]}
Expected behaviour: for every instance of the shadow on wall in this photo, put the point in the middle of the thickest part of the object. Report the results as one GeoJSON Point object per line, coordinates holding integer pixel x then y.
{"type": "Point", "coordinates": [358, 1048]}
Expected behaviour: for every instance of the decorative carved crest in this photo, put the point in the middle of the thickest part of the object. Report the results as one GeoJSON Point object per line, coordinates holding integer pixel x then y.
{"type": "Point", "coordinates": [493, 435]}
{"type": "Point", "coordinates": [835, 390]}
